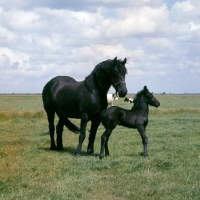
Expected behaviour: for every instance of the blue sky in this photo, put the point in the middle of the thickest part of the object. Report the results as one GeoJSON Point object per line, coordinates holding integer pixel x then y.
{"type": "Point", "coordinates": [42, 39]}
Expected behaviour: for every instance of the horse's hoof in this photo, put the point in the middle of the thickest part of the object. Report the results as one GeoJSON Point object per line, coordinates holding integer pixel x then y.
{"type": "Point", "coordinates": [59, 148]}
{"type": "Point", "coordinates": [90, 154]}
{"type": "Point", "coordinates": [101, 157]}
{"type": "Point", "coordinates": [53, 148]}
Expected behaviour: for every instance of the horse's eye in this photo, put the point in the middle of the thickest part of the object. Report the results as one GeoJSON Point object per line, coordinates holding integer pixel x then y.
{"type": "Point", "coordinates": [115, 70]}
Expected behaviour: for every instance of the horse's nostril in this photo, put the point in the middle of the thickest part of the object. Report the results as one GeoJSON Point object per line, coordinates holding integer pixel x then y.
{"type": "Point", "coordinates": [122, 93]}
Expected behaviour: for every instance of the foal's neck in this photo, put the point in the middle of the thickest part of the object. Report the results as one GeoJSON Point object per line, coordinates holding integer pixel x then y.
{"type": "Point", "coordinates": [141, 105]}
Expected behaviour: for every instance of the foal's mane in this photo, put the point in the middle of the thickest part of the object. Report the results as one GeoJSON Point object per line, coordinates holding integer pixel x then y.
{"type": "Point", "coordinates": [99, 73]}
{"type": "Point", "coordinates": [136, 99]}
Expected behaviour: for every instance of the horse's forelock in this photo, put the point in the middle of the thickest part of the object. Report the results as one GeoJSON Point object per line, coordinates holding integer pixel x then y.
{"type": "Point", "coordinates": [121, 66]}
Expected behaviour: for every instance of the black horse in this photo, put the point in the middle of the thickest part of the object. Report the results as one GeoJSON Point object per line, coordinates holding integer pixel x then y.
{"type": "Point", "coordinates": [83, 100]}
{"type": "Point", "coordinates": [137, 118]}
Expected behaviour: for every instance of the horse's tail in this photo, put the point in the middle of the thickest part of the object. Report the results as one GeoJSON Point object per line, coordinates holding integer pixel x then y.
{"type": "Point", "coordinates": [72, 127]}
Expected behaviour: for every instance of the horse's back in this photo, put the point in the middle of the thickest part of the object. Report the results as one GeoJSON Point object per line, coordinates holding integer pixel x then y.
{"type": "Point", "coordinates": [53, 85]}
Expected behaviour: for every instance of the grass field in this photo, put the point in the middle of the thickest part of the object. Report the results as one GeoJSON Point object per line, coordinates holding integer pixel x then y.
{"type": "Point", "coordinates": [29, 170]}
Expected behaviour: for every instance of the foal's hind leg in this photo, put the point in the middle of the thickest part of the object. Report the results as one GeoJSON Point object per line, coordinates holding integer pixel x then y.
{"type": "Point", "coordinates": [104, 143]}
{"type": "Point", "coordinates": [142, 132]}
{"type": "Point", "coordinates": [59, 131]}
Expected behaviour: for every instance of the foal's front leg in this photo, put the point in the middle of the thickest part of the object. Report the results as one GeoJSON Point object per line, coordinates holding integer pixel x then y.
{"type": "Point", "coordinates": [84, 120]}
{"type": "Point", "coordinates": [142, 132]}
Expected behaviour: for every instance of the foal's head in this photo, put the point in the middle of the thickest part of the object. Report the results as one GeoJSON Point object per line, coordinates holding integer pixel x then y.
{"type": "Point", "coordinates": [144, 96]}
{"type": "Point", "coordinates": [150, 99]}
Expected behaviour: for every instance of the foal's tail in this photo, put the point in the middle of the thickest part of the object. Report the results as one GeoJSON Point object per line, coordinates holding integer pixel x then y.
{"type": "Point", "coordinates": [72, 127]}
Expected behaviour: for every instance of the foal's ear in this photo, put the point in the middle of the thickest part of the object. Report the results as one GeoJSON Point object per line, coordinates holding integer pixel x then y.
{"type": "Point", "coordinates": [145, 89]}
{"type": "Point", "coordinates": [124, 61]}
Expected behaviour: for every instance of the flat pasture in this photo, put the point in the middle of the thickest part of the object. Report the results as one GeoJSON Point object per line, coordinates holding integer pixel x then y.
{"type": "Point", "coordinates": [29, 170]}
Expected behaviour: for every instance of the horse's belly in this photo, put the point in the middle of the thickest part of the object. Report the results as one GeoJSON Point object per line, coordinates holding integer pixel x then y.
{"type": "Point", "coordinates": [69, 112]}
{"type": "Point", "coordinates": [74, 99]}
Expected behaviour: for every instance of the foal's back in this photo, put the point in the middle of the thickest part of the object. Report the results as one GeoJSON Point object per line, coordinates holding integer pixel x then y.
{"type": "Point", "coordinates": [115, 115]}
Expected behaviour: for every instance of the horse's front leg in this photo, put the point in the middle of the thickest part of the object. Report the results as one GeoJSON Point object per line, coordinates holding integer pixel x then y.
{"type": "Point", "coordinates": [84, 120]}
{"type": "Point", "coordinates": [94, 126]}
{"type": "Point", "coordinates": [142, 132]}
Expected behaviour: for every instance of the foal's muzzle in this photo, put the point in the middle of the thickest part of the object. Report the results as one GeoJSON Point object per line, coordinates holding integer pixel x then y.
{"type": "Point", "coordinates": [157, 104]}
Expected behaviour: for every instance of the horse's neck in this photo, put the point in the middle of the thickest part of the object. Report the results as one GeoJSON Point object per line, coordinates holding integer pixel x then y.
{"type": "Point", "coordinates": [104, 84]}
{"type": "Point", "coordinates": [100, 86]}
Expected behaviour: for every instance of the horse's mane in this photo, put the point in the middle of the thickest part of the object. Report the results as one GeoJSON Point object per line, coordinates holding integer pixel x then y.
{"type": "Point", "coordinates": [100, 72]}
{"type": "Point", "coordinates": [136, 99]}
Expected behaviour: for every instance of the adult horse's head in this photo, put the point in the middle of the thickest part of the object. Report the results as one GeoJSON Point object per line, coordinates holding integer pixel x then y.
{"type": "Point", "coordinates": [118, 72]}
{"type": "Point", "coordinates": [107, 73]}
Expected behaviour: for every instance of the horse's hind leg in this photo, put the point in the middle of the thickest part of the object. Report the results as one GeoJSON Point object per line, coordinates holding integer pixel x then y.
{"type": "Point", "coordinates": [59, 131]}
{"type": "Point", "coordinates": [50, 115]}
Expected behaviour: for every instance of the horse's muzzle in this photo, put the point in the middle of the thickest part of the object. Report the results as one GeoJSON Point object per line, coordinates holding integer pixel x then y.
{"type": "Point", "coordinates": [122, 92]}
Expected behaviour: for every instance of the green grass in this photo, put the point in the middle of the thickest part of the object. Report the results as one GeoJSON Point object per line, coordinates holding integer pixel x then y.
{"type": "Point", "coordinates": [29, 170]}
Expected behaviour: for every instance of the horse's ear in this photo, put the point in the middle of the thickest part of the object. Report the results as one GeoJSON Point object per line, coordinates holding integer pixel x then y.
{"type": "Point", "coordinates": [125, 60]}
{"type": "Point", "coordinates": [115, 59]}
{"type": "Point", "coordinates": [145, 89]}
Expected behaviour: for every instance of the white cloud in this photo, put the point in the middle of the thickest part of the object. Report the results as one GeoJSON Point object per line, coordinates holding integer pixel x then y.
{"type": "Point", "coordinates": [144, 20]}
{"type": "Point", "coordinates": [42, 39]}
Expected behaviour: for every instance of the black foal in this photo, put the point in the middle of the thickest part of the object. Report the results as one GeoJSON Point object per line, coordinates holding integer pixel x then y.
{"type": "Point", "coordinates": [136, 118]}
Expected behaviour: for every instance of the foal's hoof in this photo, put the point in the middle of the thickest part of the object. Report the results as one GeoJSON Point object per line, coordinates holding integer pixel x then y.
{"type": "Point", "coordinates": [145, 155]}
{"type": "Point", "coordinates": [77, 155]}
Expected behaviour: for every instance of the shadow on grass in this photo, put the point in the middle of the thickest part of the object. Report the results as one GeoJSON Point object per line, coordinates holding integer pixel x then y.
{"type": "Point", "coordinates": [69, 150]}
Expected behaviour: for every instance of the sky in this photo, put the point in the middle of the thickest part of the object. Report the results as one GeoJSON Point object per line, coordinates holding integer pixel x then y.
{"type": "Point", "coordinates": [42, 39]}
